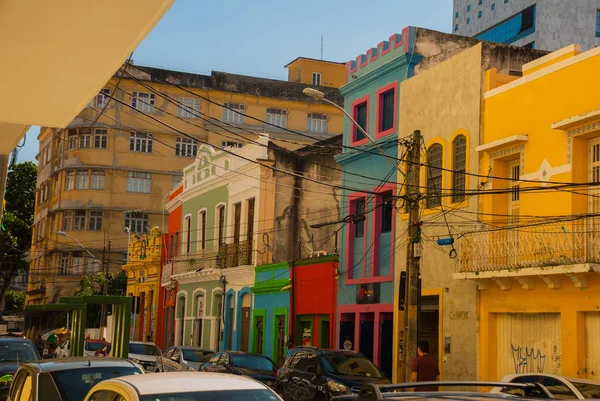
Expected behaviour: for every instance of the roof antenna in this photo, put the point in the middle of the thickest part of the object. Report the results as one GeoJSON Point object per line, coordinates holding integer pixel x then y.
{"type": "Point", "coordinates": [321, 47]}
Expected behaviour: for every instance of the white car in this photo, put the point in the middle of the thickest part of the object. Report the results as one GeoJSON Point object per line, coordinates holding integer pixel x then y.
{"type": "Point", "coordinates": [563, 388]}
{"type": "Point", "coordinates": [144, 354]}
{"type": "Point", "coordinates": [182, 386]}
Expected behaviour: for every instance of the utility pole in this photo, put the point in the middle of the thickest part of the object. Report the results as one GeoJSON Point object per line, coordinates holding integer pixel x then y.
{"type": "Point", "coordinates": [104, 288]}
{"type": "Point", "coordinates": [413, 256]}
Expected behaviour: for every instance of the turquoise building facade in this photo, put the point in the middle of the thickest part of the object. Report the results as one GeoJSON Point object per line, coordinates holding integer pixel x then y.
{"type": "Point", "coordinates": [366, 283]}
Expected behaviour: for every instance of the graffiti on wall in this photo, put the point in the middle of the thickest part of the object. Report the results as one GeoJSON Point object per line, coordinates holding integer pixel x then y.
{"type": "Point", "coordinates": [528, 360]}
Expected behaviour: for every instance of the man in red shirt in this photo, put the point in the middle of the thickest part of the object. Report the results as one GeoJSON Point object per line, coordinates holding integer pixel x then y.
{"type": "Point", "coordinates": [424, 368]}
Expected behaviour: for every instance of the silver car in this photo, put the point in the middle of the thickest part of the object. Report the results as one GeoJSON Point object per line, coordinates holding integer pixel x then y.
{"type": "Point", "coordinates": [144, 354]}
{"type": "Point", "coordinates": [564, 388]}
{"type": "Point", "coordinates": [179, 358]}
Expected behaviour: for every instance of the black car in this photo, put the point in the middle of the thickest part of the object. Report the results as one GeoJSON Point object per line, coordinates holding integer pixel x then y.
{"type": "Point", "coordinates": [13, 352]}
{"type": "Point", "coordinates": [183, 358]}
{"type": "Point", "coordinates": [257, 366]}
{"type": "Point", "coordinates": [66, 379]}
{"type": "Point", "coordinates": [310, 373]}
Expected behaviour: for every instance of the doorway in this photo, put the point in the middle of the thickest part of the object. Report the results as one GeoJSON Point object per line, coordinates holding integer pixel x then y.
{"type": "Point", "coordinates": [245, 323]}
{"type": "Point", "coordinates": [367, 334]}
{"type": "Point", "coordinates": [347, 331]}
{"type": "Point", "coordinates": [429, 324]}
{"type": "Point", "coordinates": [181, 321]}
{"type": "Point", "coordinates": [324, 334]}
{"type": "Point", "coordinates": [281, 334]}
{"type": "Point", "coordinates": [198, 332]}
{"type": "Point", "coordinates": [386, 343]}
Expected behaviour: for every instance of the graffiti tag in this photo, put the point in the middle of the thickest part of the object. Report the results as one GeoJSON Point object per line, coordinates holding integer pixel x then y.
{"type": "Point", "coordinates": [459, 315]}
{"type": "Point", "coordinates": [528, 360]}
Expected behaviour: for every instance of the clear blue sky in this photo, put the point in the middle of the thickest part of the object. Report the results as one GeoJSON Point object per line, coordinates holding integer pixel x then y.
{"type": "Point", "coordinates": [260, 37]}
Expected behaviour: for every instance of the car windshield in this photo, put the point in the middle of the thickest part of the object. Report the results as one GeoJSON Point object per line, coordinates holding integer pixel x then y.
{"type": "Point", "coordinates": [254, 362]}
{"type": "Point", "coordinates": [352, 365]}
{"type": "Point", "coordinates": [144, 349]}
{"type": "Point", "coordinates": [18, 351]}
{"type": "Point", "coordinates": [224, 395]}
{"type": "Point", "coordinates": [74, 384]}
{"type": "Point", "coordinates": [196, 355]}
{"type": "Point", "coordinates": [588, 390]}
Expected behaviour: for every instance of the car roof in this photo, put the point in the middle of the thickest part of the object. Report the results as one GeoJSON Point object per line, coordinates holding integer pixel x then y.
{"type": "Point", "coordinates": [14, 340]}
{"type": "Point", "coordinates": [242, 353]}
{"type": "Point", "coordinates": [325, 350]}
{"type": "Point", "coordinates": [169, 382]}
{"type": "Point", "coordinates": [195, 348]}
{"type": "Point", "coordinates": [142, 342]}
{"type": "Point", "coordinates": [53, 365]}
{"type": "Point", "coordinates": [569, 379]}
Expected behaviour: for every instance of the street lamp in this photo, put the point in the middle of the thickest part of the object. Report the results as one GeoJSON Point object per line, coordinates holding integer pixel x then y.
{"type": "Point", "coordinates": [318, 95]}
{"type": "Point", "coordinates": [64, 234]}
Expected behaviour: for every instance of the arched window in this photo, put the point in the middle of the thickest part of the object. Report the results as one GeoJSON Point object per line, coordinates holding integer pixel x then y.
{"type": "Point", "coordinates": [459, 168]}
{"type": "Point", "coordinates": [434, 175]}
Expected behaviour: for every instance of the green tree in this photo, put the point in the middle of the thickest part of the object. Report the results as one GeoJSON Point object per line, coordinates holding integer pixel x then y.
{"type": "Point", "coordinates": [17, 220]}
{"type": "Point", "coordinates": [92, 285]}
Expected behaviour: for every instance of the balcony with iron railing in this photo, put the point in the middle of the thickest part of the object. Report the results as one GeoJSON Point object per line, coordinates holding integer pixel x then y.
{"type": "Point", "coordinates": [223, 257]}
{"type": "Point", "coordinates": [534, 245]}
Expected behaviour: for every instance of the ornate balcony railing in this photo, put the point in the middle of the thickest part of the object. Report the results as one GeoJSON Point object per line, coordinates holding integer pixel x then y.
{"type": "Point", "coordinates": [533, 245]}
{"type": "Point", "coordinates": [227, 255]}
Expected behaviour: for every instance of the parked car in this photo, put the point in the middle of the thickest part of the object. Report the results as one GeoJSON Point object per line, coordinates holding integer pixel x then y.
{"type": "Point", "coordinates": [257, 366]}
{"type": "Point", "coordinates": [564, 388]}
{"type": "Point", "coordinates": [313, 373]}
{"type": "Point", "coordinates": [66, 379]}
{"type": "Point", "coordinates": [398, 392]}
{"type": "Point", "coordinates": [91, 346]}
{"type": "Point", "coordinates": [13, 352]}
{"type": "Point", "coordinates": [63, 350]}
{"type": "Point", "coordinates": [183, 358]}
{"type": "Point", "coordinates": [145, 354]}
{"type": "Point", "coordinates": [175, 386]}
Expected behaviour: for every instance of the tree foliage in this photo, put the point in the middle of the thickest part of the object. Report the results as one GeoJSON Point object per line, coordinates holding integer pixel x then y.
{"type": "Point", "coordinates": [92, 285]}
{"type": "Point", "coordinates": [17, 221]}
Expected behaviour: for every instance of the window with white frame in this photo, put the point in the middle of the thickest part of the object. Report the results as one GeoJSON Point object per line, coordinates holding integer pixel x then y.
{"type": "Point", "coordinates": [142, 101]}
{"type": "Point", "coordinates": [85, 141]}
{"type": "Point", "coordinates": [70, 180]}
{"type": "Point", "coordinates": [186, 147]}
{"type": "Point", "coordinates": [82, 179]}
{"type": "Point", "coordinates": [188, 107]}
{"type": "Point", "coordinates": [317, 122]}
{"type": "Point", "coordinates": [97, 180]}
{"type": "Point", "coordinates": [277, 117]}
{"type": "Point", "coordinates": [79, 220]}
{"type": "Point", "coordinates": [64, 264]}
{"type": "Point", "coordinates": [67, 220]}
{"type": "Point", "coordinates": [100, 138]}
{"type": "Point", "coordinates": [231, 144]}
{"type": "Point", "coordinates": [139, 182]}
{"type": "Point", "coordinates": [136, 222]}
{"type": "Point", "coordinates": [234, 113]}
{"type": "Point", "coordinates": [140, 142]}
{"type": "Point", "coordinates": [102, 98]}
{"type": "Point", "coordinates": [95, 220]}
{"type": "Point", "coordinates": [316, 78]}
{"type": "Point", "coordinates": [77, 262]}
{"type": "Point", "coordinates": [72, 141]}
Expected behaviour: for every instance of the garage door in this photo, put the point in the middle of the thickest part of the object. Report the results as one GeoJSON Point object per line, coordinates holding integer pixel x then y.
{"type": "Point", "coordinates": [592, 345]}
{"type": "Point", "coordinates": [528, 343]}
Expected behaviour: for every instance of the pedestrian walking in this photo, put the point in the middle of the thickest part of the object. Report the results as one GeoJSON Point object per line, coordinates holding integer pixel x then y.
{"type": "Point", "coordinates": [424, 368]}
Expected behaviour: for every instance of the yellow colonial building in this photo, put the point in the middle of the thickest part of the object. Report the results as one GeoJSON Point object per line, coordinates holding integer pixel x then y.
{"type": "Point", "coordinates": [108, 174]}
{"type": "Point", "coordinates": [143, 282]}
{"type": "Point", "coordinates": [536, 253]}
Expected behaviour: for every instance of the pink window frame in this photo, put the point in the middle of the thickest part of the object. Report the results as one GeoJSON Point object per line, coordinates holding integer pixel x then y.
{"type": "Point", "coordinates": [379, 109]}
{"type": "Point", "coordinates": [354, 130]}
{"type": "Point", "coordinates": [350, 268]}
{"type": "Point", "coordinates": [375, 240]}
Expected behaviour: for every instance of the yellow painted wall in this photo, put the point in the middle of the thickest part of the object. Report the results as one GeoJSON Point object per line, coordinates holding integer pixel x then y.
{"type": "Point", "coordinates": [144, 261]}
{"type": "Point", "coordinates": [332, 74]}
{"type": "Point", "coordinates": [529, 106]}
